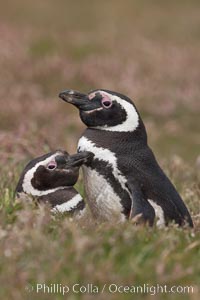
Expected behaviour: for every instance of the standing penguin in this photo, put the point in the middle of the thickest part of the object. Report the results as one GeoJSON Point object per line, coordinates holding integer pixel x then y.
{"type": "Point", "coordinates": [124, 178]}
{"type": "Point", "coordinates": [50, 178]}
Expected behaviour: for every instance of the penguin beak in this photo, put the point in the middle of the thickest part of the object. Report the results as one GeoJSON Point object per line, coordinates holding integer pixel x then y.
{"type": "Point", "coordinates": [80, 100]}
{"type": "Point", "coordinates": [76, 160]}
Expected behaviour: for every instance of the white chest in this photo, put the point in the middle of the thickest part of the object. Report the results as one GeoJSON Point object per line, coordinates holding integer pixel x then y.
{"type": "Point", "coordinates": [102, 199]}
{"type": "Point", "coordinates": [104, 203]}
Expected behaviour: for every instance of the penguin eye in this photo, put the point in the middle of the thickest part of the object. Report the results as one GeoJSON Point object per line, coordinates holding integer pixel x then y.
{"type": "Point", "coordinates": [52, 165]}
{"type": "Point", "coordinates": [106, 102]}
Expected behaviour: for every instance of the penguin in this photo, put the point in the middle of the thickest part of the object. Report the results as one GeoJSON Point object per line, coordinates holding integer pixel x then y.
{"type": "Point", "coordinates": [124, 178]}
{"type": "Point", "coordinates": [50, 179]}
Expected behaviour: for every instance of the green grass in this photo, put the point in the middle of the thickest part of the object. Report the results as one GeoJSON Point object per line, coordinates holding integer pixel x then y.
{"type": "Point", "coordinates": [39, 248]}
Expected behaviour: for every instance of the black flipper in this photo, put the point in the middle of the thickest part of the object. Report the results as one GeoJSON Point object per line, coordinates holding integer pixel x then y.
{"type": "Point", "coordinates": [140, 205]}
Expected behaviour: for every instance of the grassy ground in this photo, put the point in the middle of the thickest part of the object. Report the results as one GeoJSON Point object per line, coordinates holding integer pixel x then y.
{"type": "Point", "coordinates": [149, 50]}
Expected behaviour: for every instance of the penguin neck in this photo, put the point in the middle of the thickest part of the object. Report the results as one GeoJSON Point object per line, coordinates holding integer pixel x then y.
{"type": "Point", "coordinates": [117, 140]}
{"type": "Point", "coordinates": [64, 200]}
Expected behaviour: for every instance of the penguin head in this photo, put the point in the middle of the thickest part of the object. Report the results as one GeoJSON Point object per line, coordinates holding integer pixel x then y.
{"type": "Point", "coordinates": [106, 110]}
{"type": "Point", "coordinates": [48, 173]}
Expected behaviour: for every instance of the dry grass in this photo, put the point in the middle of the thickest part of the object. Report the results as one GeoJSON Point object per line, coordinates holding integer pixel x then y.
{"type": "Point", "coordinates": [147, 50]}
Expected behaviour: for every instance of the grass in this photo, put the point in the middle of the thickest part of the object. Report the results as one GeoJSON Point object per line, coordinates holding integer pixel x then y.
{"type": "Point", "coordinates": [147, 50]}
{"type": "Point", "coordinates": [39, 248]}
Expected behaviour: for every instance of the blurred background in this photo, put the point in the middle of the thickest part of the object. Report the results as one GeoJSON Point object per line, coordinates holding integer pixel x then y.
{"type": "Point", "coordinates": [148, 50]}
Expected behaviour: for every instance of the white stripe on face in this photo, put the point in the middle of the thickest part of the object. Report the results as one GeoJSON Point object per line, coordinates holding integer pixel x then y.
{"type": "Point", "coordinates": [69, 205]}
{"type": "Point", "coordinates": [27, 186]}
{"type": "Point", "coordinates": [93, 110]}
{"type": "Point", "coordinates": [132, 119]}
